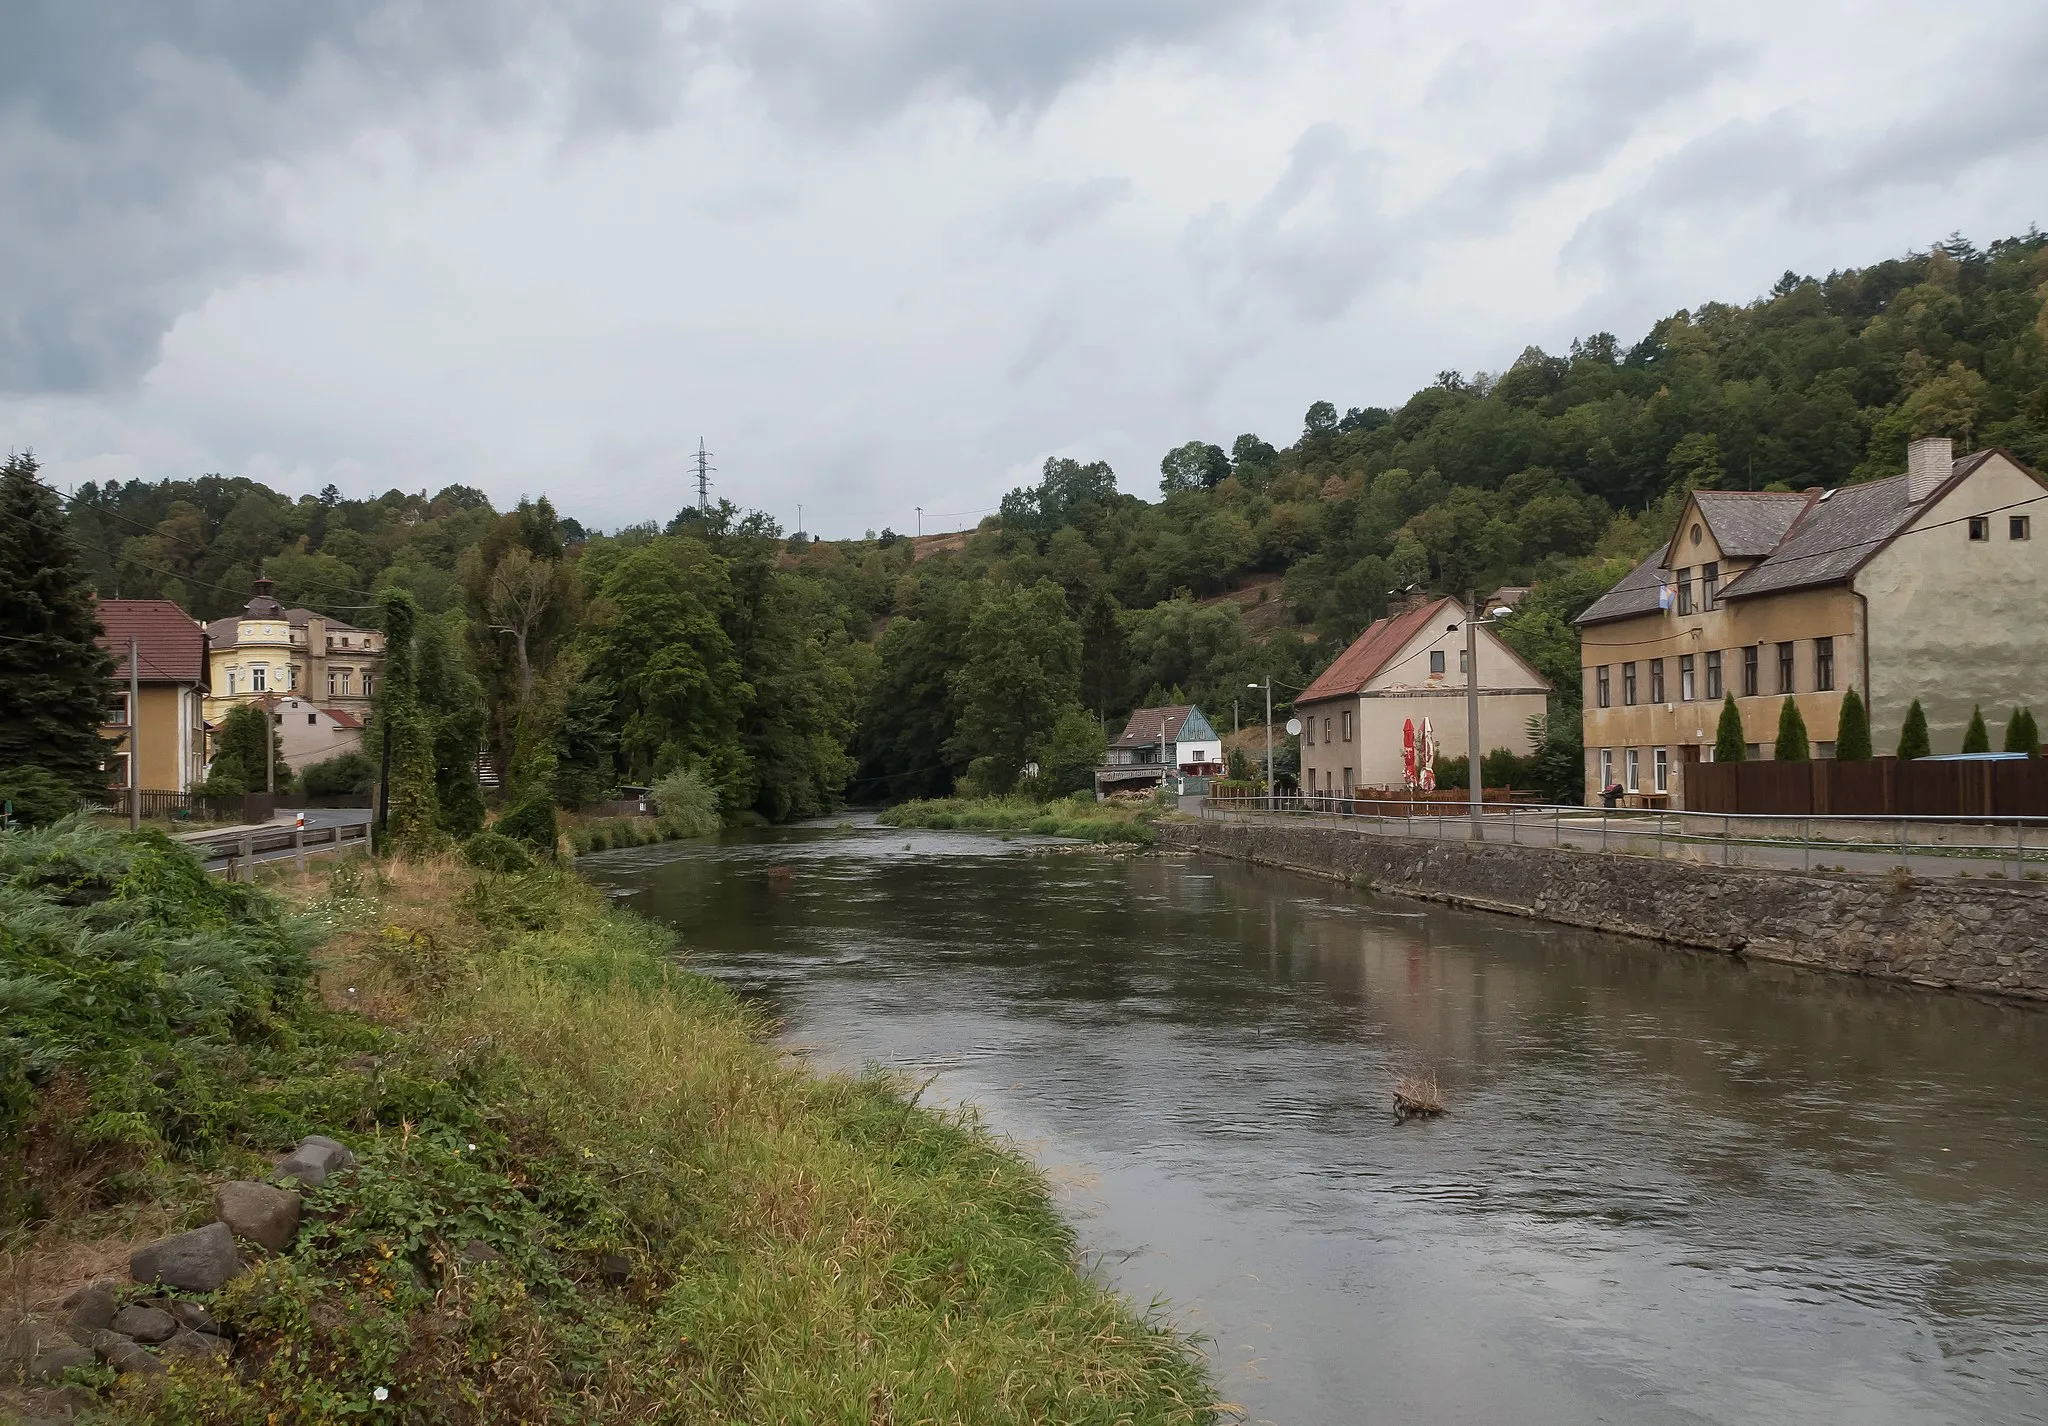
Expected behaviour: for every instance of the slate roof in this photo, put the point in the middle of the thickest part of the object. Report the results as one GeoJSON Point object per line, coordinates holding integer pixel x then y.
{"type": "Point", "coordinates": [1835, 536]}
{"type": "Point", "coordinates": [1748, 524]}
{"type": "Point", "coordinates": [1143, 729]}
{"type": "Point", "coordinates": [1370, 652]}
{"type": "Point", "coordinates": [170, 642]}
{"type": "Point", "coordinates": [1636, 594]}
{"type": "Point", "coordinates": [222, 631]}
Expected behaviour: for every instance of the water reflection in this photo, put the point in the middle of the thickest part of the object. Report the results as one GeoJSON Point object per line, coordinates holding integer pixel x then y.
{"type": "Point", "coordinates": [1671, 1187]}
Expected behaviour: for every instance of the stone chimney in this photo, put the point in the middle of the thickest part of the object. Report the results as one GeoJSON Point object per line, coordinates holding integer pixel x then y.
{"type": "Point", "coordinates": [1929, 461]}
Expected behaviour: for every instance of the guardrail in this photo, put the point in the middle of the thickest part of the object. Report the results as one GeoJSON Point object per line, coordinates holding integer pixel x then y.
{"type": "Point", "coordinates": [239, 852]}
{"type": "Point", "coordinates": [2001, 847]}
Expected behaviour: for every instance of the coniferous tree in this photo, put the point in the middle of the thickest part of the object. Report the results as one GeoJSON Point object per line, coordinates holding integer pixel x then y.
{"type": "Point", "coordinates": [1977, 737]}
{"type": "Point", "coordinates": [2022, 735]}
{"type": "Point", "coordinates": [238, 765]}
{"type": "Point", "coordinates": [411, 814]}
{"type": "Point", "coordinates": [54, 676]}
{"type": "Point", "coordinates": [1728, 744]}
{"type": "Point", "coordinates": [1792, 746]}
{"type": "Point", "coordinates": [1913, 736]}
{"type": "Point", "coordinates": [1852, 736]}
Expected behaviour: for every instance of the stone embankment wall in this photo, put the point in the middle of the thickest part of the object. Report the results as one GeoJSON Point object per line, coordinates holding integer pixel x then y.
{"type": "Point", "coordinates": [1982, 936]}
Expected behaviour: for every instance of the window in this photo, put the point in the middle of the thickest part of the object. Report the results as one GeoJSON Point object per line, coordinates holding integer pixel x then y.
{"type": "Point", "coordinates": [1784, 668]}
{"type": "Point", "coordinates": [1685, 591]}
{"type": "Point", "coordinates": [1749, 660]}
{"type": "Point", "coordinates": [291, 676]}
{"type": "Point", "coordinates": [1823, 664]}
{"type": "Point", "coordinates": [2021, 528]}
{"type": "Point", "coordinates": [1606, 768]}
{"type": "Point", "coordinates": [366, 685]}
{"type": "Point", "coordinates": [1686, 691]}
{"type": "Point", "coordinates": [1308, 728]}
{"type": "Point", "coordinates": [1710, 584]}
{"type": "Point", "coordinates": [1823, 750]}
{"type": "Point", "coordinates": [1628, 684]}
{"type": "Point", "coordinates": [1600, 682]}
{"type": "Point", "coordinates": [312, 720]}
{"type": "Point", "coordinates": [1660, 769]}
{"type": "Point", "coordinates": [1634, 764]}
{"type": "Point", "coordinates": [231, 683]}
{"type": "Point", "coordinates": [1753, 751]}
{"type": "Point", "coordinates": [1347, 725]}
{"type": "Point", "coordinates": [330, 683]}
{"type": "Point", "coordinates": [1461, 661]}
{"type": "Point", "coordinates": [117, 769]}
{"type": "Point", "coordinates": [1656, 680]}
{"type": "Point", "coordinates": [1714, 674]}
{"type": "Point", "coordinates": [259, 675]}
{"type": "Point", "coordinates": [278, 719]}
{"type": "Point", "coordinates": [1980, 527]}
{"type": "Point", "coordinates": [117, 711]}
{"type": "Point", "coordinates": [1436, 660]}
{"type": "Point", "coordinates": [1326, 730]}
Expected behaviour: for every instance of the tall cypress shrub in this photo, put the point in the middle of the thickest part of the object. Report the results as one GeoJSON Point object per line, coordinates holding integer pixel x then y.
{"type": "Point", "coordinates": [1852, 735]}
{"type": "Point", "coordinates": [412, 813]}
{"type": "Point", "coordinates": [1729, 746]}
{"type": "Point", "coordinates": [1792, 746]}
{"type": "Point", "coordinates": [1977, 737]}
{"type": "Point", "coordinates": [2021, 733]}
{"type": "Point", "coordinates": [54, 677]}
{"type": "Point", "coordinates": [1913, 735]}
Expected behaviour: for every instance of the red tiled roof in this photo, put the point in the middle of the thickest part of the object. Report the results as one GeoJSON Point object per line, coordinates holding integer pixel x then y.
{"type": "Point", "coordinates": [171, 643]}
{"type": "Point", "coordinates": [1370, 652]}
{"type": "Point", "coordinates": [342, 716]}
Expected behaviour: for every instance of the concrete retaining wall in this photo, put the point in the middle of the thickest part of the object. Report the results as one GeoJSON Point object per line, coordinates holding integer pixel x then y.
{"type": "Point", "coordinates": [1982, 936]}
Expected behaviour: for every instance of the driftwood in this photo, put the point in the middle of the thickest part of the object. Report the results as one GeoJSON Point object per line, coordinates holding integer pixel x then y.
{"type": "Point", "coordinates": [1416, 1095]}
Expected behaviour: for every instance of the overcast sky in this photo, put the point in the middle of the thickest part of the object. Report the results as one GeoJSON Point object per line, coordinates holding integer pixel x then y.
{"type": "Point", "coordinates": [889, 253]}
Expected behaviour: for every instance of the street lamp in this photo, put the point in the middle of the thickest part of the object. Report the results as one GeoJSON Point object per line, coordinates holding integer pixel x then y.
{"type": "Point", "coordinates": [1269, 738]}
{"type": "Point", "coordinates": [1472, 775]}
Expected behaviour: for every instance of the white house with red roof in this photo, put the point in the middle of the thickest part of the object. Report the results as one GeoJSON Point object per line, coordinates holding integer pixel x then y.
{"type": "Point", "coordinates": [1407, 668]}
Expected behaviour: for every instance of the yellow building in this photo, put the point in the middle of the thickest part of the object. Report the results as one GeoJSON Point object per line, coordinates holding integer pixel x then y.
{"type": "Point", "coordinates": [1927, 584]}
{"type": "Point", "coordinates": [268, 650]}
{"type": "Point", "coordinates": [167, 728]}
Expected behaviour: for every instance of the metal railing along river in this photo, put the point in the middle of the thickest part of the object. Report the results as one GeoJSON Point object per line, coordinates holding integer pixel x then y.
{"type": "Point", "coordinates": [2001, 847]}
{"type": "Point", "coordinates": [238, 850]}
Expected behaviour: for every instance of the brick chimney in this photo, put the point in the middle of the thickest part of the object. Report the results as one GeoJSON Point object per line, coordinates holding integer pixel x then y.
{"type": "Point", "coordinates": [1929, 461]}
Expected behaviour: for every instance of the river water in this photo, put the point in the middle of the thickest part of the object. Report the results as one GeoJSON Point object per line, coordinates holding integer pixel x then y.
{"type": "Point", "coordinates": [1670, 1188]}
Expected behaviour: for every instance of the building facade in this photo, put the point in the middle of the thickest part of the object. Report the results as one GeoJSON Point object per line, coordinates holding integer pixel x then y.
{"type": "Point", "coordinates": [1406, 668]}
{"type": "Point", "coordinates": [268, 650]}
{"type": "Point", "coordinates": [313, 734]}
{"type": "Point", "coordinates": [1927, 584]}
{"type": "Point", "coordinates": [1157, 744]}
{"type": "Point", "coordinates": [166, 726]}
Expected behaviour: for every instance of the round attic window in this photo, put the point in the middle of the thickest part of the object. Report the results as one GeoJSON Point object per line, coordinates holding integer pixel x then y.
{"type": "Point", "coordinates": [1695, 533]}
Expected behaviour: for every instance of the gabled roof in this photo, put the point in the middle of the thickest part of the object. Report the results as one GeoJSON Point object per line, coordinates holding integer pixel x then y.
{"type": "Point", "coordinates": [1637, 593]}
{"type": "Point", "coordinates": [223, 631]}
{"type": "Point", "coordinates": [170, 643]}
{"type": "Point", "coordinates": [1836, 536]}
{"type": "Point", "coordinates": [1142, 731]}
{"type": "Point", "coordinates": [1746, 524]}
{"type": "Point", "coordinates": [343, 717]}
{"type": "Point", "coordinates": [1372, 651]}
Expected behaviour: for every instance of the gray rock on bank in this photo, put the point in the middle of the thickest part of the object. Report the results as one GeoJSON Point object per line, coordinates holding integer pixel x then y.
{"type": "Point", "coordinates": [36, 1353]}
{"type": "Point", "coordinates": [198, 1261]}
{"type": "Point", "coordinates": [148, 1325]}
{"type": "Point", "coordinates": [93, 1306]}
{"type": "Point", "coordinates": [314, 1160]}
{"type": "Point", "coordinates": [258, 1213]}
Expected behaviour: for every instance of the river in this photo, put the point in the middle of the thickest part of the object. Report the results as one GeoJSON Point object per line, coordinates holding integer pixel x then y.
{"type": "Point", "coordinates": [1669, 1188]}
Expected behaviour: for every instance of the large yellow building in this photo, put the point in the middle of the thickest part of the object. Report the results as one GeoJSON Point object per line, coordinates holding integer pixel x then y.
{"type": "Point", "coordinates": [1927, 585]}
{"type": "Point", "coordinates": [268, 649]}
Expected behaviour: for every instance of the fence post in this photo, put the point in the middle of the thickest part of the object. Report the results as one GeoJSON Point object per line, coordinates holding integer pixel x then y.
{"type": "Point", "coordinates": [248, 857]}
{"type": "Point", "coordinates": [2019, 850]}
{"type": "Point", "coordinates": [299, 846]}
{"type": "Point", "coordinates": [1902, 845]}
{"type": "Point", "coordinates": [1603, 828]}
{"type": "Point", "coordinates": [1727, 843]}
{"type": "Point", "coordinates": [1806, 845]}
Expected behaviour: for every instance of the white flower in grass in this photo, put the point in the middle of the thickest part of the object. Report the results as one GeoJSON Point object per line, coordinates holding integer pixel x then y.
{"type": "Point", "coordinates": [382, 1393]}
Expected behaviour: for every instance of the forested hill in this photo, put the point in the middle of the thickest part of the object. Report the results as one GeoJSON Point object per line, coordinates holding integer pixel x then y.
{"type": "Point", "coordinates": [1080, 599]}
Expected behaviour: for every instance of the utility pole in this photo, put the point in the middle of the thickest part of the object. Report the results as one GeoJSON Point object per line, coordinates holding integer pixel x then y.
{"type": "Point", "coordinates": [269, 743]}
{"type": "Point", "coordinates": [920, 522]}
{"type": "Point", "coordinates": [134, 736]}
{"type": "Point", "coordinates": [1269, 738]}
{"type": "Point", "coordinates": [799, 517]}
{"type": "Point", "coordinates": [1472, 705]}
{"type": "Point", "coordinates": [704, 469]}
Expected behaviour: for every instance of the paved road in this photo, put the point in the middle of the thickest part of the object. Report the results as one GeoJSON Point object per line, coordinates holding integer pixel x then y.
{"type": "Point", "coordinates": [1627, 835]}
{"type": "Point", "coordinates": [218, 850]}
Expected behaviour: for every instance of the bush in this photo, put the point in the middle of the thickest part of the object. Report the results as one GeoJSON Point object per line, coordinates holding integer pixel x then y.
{"type": "Point", "coordinates": [1852, 736]}
{"type": "Point", "coordinates": [39, 796]}
{"type": "Point", "coordinates": [531, 821]}
{"type": "Point", "coordinates": [493, 851]}
{"type": "Point", "coordinates": [341, 776]}
{"type": "Point", "coordinates": [1791, 746]}
{"type": "Point", "coordinates": [687, 804]}
{"type": "Point", "coordinates": [1913, 741]}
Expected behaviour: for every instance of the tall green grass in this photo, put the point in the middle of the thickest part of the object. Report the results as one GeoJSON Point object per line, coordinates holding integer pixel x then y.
{"type": "Point", "coordinates": [1080, 817]}
{"type": "Point", "coordinates": [682, 1226]}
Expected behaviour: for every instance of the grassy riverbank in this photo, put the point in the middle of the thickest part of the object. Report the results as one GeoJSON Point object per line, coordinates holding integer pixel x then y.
{"type": "Point", "coordinates": [1080, 816]}
{"type": "Point", "coordinates": [588, 1190]}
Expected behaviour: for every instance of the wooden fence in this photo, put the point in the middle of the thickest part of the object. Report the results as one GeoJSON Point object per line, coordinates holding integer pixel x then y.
{"type": "Point", "coordinates": [1879, 787]}
{"type": "Point", "coordinates": [248, 808]}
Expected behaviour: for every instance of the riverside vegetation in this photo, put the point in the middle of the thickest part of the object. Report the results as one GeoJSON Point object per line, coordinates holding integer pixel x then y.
{"type": "Point", "coordinates": [1079, 816]}
{"type": "Point", "coordinates": [585, 1188]}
